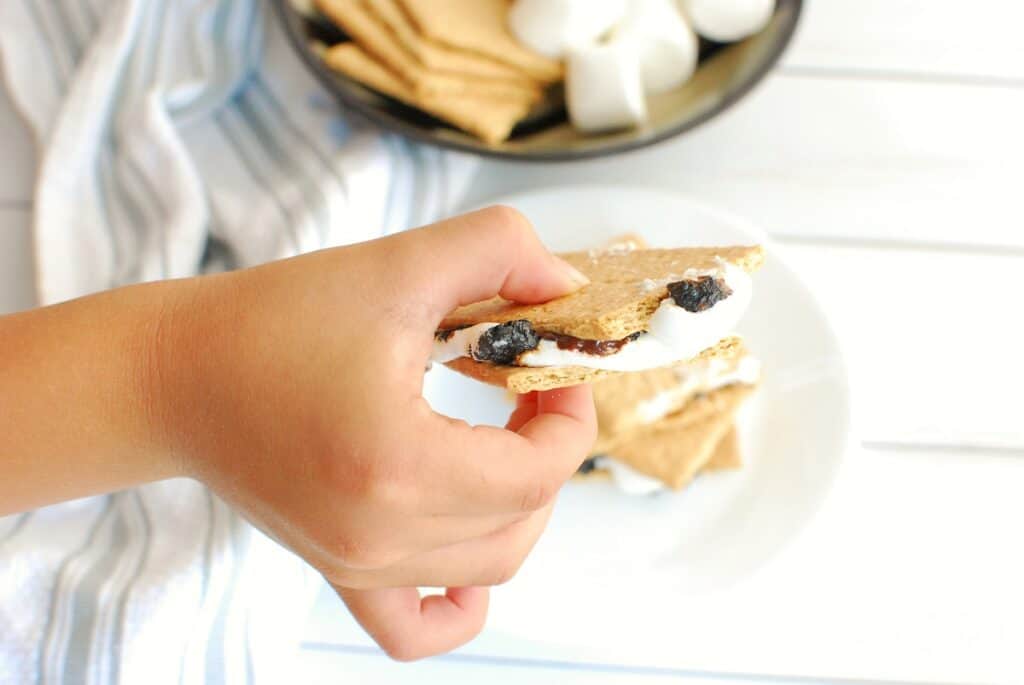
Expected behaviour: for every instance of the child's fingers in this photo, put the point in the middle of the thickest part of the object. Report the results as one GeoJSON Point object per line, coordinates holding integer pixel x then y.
{"type": "Point", "coordinates": [489, 252]}
{"type": "Point", "coordinates": [431, 532]}
{"type": "Point", "coordinates": [526, 409]}
{"type": "Point", "coordinates": [409, 627]}
{"type": "Point", "coordinates": [488, 560]}
{"type": "Point", "coordinates": [485, 470]}
{"type": "Point", "coordinates": [575, 403]}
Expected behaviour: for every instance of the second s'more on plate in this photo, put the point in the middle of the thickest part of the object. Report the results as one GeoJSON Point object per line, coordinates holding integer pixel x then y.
{"type": "Point", "coordinates": [659, 429]}
{"type": "Point", "coordinates": [630, 404]}
{"type": "Point", "coordinates": [643, 309]}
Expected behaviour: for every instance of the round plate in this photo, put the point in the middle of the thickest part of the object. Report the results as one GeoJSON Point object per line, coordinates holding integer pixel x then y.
{"type": "Point", "coordinates": [725, 74]}
{"type": "Point", "coordinates": [667, 548]}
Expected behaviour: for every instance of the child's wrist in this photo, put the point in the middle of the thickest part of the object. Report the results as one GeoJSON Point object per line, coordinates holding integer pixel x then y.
{"type": "Point", "coordinates": [169, 335]}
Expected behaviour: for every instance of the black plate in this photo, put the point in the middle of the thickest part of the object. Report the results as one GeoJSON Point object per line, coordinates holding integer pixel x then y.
{"type": "Point", "coordinates": [725, 74]}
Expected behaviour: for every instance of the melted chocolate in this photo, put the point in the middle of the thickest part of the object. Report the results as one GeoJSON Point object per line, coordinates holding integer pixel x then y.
{"type": "Point", "coordinates": [600, 348]}
{"type": "Point", "coordinates": [699, 294]}
{"type": "Point", "coordinates": [502, 344]}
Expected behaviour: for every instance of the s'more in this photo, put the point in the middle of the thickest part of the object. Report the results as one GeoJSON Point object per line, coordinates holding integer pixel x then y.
{"type": "Point", "coordinates": [643, 309]}
{"type": "Point", "coordinates": [659, 429]}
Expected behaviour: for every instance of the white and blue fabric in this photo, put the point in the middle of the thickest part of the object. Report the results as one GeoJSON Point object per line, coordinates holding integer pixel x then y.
{"type": "Point", "coordinates": [176, 137]}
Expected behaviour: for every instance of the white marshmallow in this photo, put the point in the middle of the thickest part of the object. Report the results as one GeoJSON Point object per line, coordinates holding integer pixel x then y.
{"type": "Point", "coordinates": [666, 44]}
{"type": "Point", "coordinates": [552, 27]}
{"type": "Point", "coordinates": [603, 89]}
{"type": "Point", "coordinates": [728, 20]}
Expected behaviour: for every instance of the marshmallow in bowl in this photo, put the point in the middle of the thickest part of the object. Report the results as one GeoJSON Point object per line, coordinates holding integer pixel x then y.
{"type": "Point", "coordinates": [552, 27]}
{"type": "Point", "coordinates": [603, 88]}
{"type": "Point", "coordinates": [724, 22]}
{"type": "Point", "coordinates": [666, 45]}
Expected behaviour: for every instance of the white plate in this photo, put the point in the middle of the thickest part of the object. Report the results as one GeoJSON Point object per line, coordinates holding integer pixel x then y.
{"type": "Point", "coordinates": [657, 552]}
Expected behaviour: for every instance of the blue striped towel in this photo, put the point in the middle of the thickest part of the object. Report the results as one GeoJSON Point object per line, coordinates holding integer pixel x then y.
{"type": "Point", "coordinates": [177, 136]}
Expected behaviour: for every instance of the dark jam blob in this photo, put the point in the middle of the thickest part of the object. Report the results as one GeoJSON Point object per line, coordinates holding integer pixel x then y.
{"type": "Point", "coordinates": [501, 344]}
{"type": "Point", "coordinates": [698, 294]}
{"type": "Point", "coordinates": [601, 348]}
{"type": "Point", "coordinates": [587, 466]}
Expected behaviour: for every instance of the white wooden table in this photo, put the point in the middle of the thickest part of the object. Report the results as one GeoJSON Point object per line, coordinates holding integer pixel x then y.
{"type": "Point", "coordinates": [889, 144]}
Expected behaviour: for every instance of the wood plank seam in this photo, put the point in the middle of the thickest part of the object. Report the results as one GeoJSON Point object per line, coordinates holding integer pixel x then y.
{"type": "Point", "coordinates": [609, 668]}
{"type": "Point", "coordinates": [854, 242]}
{"type": "Point", "coordinates": [898, 75]}
{"type": "Point", "coordinates": [950, 448]}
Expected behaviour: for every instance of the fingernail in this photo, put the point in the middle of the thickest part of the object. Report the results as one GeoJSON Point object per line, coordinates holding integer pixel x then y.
{"type": "Point", "coordinates": [572, 273]}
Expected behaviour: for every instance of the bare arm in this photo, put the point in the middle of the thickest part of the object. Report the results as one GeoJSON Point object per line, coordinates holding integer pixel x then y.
{"type": "Point", "coordinates": [74, 419]}
{"type": "Point", "coordinates": [294, 391]}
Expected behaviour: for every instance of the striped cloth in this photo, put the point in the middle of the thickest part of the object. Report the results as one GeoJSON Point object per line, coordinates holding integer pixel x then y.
{"type": "Point", "coordinates": [177, 136]}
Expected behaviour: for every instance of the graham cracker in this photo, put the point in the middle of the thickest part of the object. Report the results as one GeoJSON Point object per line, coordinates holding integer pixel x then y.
{"type": "Point", "coordinates": [488, 119]}
{"type": "Point", "coordinates": [376, 39]}
{"type": "Point", "coordinates": [480, 26]}
{"type": "Point", "coordinates": [675, 455]}
{"type": "Point", "coordinates": [618, 301]}
{"type": "Point", "coordinates": [700, 407]}
{"type": "Point", "coordinates": [441, 58]}
{"type": "Point", "coordinates": [620, 400]}
{"type": "Point", "coordinates": [727, 455]}
{"type": "Point", "coordinates": [523, 379]}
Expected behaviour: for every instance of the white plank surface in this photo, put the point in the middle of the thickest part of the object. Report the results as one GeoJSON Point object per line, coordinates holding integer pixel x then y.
{"type": "Point", "coordinates": [328, 666]}
{"type": "Point", "coordinates": [910, 572]}
{"type": "Point", "coordinates": [17, 159]}
{"type": "Point", "coordinates": [973, 39]}
{"type": "Point", "coordinates": [811, 156]}
{"type": "Point", "coordinates": [931, 340]}
{"type": "Point", "coordinates": [16, 266]}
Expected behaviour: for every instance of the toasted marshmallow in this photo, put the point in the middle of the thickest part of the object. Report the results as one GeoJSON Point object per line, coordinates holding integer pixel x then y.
{"type": "Point", "coordinates": [666, 45]}
{"type": "Point", "coordinates": [552, 27]}
{"type": "Point", "coordinates": [728, 20]}
{"type": "Point", "coordinates": [603, 87]}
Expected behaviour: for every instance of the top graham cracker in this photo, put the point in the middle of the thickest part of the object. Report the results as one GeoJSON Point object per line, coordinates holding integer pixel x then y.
{"type": "Point", "coordinates": [626, 287]}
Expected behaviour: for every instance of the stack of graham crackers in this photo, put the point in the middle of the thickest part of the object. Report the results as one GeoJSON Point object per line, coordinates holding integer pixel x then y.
{"type": "Point", "coordinates": [453, 59]}
{"type": "Point", "coordinates": [670, 424]}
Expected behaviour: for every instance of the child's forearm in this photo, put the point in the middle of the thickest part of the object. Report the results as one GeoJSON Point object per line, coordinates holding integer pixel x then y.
{"type": "Point", "coordinates": [294, 390]}
{"type": "Point", "coordinates": [75, 406]}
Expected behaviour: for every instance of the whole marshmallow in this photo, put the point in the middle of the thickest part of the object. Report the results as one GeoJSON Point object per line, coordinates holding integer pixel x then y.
{"type": "Point", "coordinates": [664, 41]}
{"type": "Point", "coordinates": [603, 87]}
{"type": "Point", "coordinates": [728, 20]}
{"type": "Point", "coordinates": [551, 27]}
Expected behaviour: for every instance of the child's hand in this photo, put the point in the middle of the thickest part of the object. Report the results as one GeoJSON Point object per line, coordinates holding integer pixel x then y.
{"type": "Point", "coordinates": [294, 391]}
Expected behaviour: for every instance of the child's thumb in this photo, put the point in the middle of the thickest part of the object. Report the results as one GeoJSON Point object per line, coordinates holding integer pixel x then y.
{"type": "Point", "coordinates": [493, 251]}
